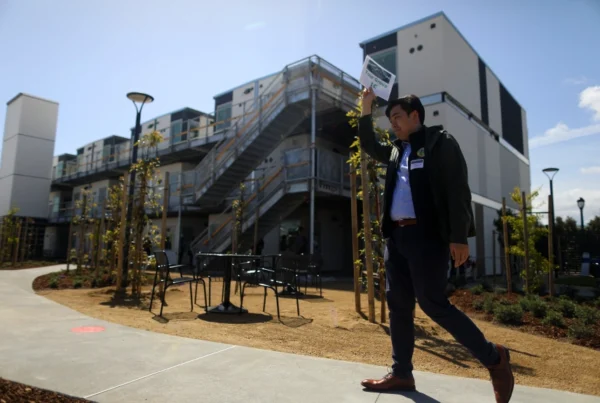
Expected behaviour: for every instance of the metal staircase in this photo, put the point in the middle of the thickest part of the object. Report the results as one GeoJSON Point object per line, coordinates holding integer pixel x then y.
{"type": "Point", "coordinates": [281, 108]}
{"type": "Point", "coordinates": [274, 202]}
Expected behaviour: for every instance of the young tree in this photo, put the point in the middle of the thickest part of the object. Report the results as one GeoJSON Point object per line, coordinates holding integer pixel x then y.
{"type": "Point", "coordinates": [538, 264]}
{"type": "Point", "coordinates": [147, 200]}
{"type": "Point", "coordinates": [83, 220]}
{"type": "Point", "coordinates": [111, 236]}
{"type": "Point", "coordinates": [374, 190]}
{"type": "Point", "coordinates": [10, 223]}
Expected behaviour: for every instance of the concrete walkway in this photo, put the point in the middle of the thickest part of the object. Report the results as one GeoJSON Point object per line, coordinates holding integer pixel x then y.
{"type": "Point", "coordinates": [122, 364]}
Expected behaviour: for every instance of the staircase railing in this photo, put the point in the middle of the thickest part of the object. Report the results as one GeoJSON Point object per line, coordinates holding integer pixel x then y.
{"type": "Point", "coordinates": [266, 191]}
{"type": "Point", "coordinates": [239, 136]}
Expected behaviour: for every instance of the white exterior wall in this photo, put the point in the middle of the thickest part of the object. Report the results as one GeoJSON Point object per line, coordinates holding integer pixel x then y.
{"type": "Point", "coordinates": [460, 69]}
{"type": "Point", "coordinates": [28, 150]}
{"type": "Point", "coordinates": [420, 73]}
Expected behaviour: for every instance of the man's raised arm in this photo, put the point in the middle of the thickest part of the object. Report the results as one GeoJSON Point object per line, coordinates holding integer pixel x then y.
{"type": "Point", "coordinates": [368, 141]}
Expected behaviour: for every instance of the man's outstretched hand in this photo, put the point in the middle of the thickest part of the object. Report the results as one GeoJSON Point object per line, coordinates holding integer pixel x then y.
{"type": "Point", "coordinates": [459, 253]}
{"type": "Point", "coordinates": [368, 96]}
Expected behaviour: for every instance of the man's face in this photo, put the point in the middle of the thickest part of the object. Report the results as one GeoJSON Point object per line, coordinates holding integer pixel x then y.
{"type": "Point", "coordinates": [402, 123]}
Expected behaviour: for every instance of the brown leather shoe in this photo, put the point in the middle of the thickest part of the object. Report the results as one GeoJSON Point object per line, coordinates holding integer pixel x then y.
{"type": "Point", "coordinates": [503, 380]}
{"type": "Point", "coordinates": [390, 382]}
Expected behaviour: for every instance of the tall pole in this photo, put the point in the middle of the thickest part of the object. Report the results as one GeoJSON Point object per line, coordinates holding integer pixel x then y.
{"type": "Point", "coordinates": [581, 213]}
{"type": "Point", "coordinates": [142, 99]}
{"type": "Point", "coordinates": [136, 137]}
{"type": "Point", "coordinates": [258, 185]}
{"type": "Point", "coordinates": [550, 248]}
{"type": "Point", "coordinates": [179, 216]}
{"type": "Point", "coordinates": [494, 257]}
{"type": "Point", "coordinates": [122, 230]}
{"type": "Point", "coordinates": [355, 252]}
{"type": "Point", "coordinates": [506, 248]}
{"type": "Point", "coordinates": [313, 163]}
{"type": "Point", "coordinates": [163, 226]}
{"type": "Point", "coordinates": [526, 241]}
{"type": "Point", "coordinates": [367, 233]}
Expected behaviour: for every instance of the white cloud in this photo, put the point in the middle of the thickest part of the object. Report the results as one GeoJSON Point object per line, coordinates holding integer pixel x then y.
{"type": "Point", "coordinates": [590, 170]}
{"type": "Point", "coordinates": [565, 203]}
{"type": "Point", "coordinates": [561, 132]}
{"type": "Point", "coordinates": [576, 80]}
{"type": "Point", "coordinates": [590, 98]}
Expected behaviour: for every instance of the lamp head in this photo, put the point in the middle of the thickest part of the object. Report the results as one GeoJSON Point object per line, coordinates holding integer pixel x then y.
{"type": "Point", "coordinates": [581, 203]}
{"type": "Point", "coordinates": [139, 97]}
{"type": "Point", "coordinates": [550, 172]}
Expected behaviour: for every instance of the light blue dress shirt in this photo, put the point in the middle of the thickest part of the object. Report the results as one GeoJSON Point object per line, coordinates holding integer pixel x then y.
{"type": "Point", "coordinates": [402, 202]}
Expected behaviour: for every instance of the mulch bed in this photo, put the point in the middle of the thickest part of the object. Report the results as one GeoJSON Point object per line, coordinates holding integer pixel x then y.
{"type": "Point", "coordinates": [14, 392]}
{"type": "Point", "coordinates": [464, 299]}
{"type": "Point", "coordinates": [82, 278]}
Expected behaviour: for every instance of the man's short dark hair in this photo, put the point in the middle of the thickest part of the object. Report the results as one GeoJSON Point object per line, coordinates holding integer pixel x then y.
{"type": "Point", "coordinates": [409, 104]}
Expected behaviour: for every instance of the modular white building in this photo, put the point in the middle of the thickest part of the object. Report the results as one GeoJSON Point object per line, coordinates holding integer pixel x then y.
{"type": "Point", "coordinates": [286, 137]}
{"type": "Point", "coordinates": [432, 60]}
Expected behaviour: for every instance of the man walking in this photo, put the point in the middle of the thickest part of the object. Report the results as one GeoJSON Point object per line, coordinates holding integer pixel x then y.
{"type": "Point", "coordinates": [427, 218]}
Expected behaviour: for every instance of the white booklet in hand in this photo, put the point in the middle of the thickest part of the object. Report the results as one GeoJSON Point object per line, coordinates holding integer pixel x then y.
{"type": "Point", "coordinates": [375, 76]}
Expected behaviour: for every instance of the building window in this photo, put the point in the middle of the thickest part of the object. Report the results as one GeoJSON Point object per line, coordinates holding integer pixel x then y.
{"type": "Point", "coordinates": [176, 128]}
{"type": "Point", "coordinates": [223, 116]}
{"type": "Point", "coordinates": [387, 59]}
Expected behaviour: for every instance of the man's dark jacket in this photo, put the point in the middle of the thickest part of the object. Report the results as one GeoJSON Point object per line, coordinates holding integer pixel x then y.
{"type": "Point", "coordinates": [441, 184]}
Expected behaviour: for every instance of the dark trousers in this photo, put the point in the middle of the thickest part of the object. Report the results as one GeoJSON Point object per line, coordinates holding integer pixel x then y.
{"type": "Point", "coordinates": [417, 266]}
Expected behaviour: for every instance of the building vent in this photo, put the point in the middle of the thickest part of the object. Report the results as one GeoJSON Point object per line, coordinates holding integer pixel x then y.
{"type": "Point", "coordinates": [435, 113]}
{"type": "Point", "coordinates": [248, 90]}
{"type": "Point", "coordinates": [420, 48]}
{"type": "Point", "coordinates": [412, 50]}
{"type": "Point", "coordinates": [432, 26]}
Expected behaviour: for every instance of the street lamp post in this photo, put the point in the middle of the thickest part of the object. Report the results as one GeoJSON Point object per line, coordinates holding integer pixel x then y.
{"type": "Point", "coordinates": [581, 205]}
{"type": "Point", "coordinates": [550, 173]}
{"type": "Point", "coordinates": [138, 99]}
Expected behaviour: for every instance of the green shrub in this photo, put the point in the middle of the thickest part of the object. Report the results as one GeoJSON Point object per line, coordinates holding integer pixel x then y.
{"type": "Point", "coordinates": [53, 282]}
{"type": "Point", "coordinates": [477, 290]}
{"type": "Point", "coordinates": [567, 307]}
{"type": "Point", "coordinates": [587, 314]}
{"type": "Point", "coordinates": [597, 303]}
{"type": "Point", "coordinates": [489, 303]}
{"type": "Point", "coordinates": [500, 290]}
{"type": "Point", "coordinates": [579, 330]}
{"type": "Point", "coordinates": [554, 318]}
{"type": "Point", "coordinates": [77, 283]}
{"type": "Point", "coordinates": [538, 307]}
{"type": "Point", "coordinates": [478, 305]}
{"type": "Point", "coordinates": [508, 313]}
{"type": "Point", "coordinates": [525, 304]}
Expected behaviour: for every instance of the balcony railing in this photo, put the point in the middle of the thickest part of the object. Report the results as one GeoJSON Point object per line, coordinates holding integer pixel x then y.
{"type": "Point", "coordinates": [333, 177]}
{"type": "Point", "coordinates": [294, 166]}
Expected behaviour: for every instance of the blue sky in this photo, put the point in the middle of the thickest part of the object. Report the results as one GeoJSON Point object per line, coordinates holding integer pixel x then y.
{"type": "Point", "coordinates": [88, 54]}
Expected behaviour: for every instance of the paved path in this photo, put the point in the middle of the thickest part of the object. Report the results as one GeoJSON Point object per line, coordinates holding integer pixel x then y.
{"type": "Point", "coordinates": [123, 364]}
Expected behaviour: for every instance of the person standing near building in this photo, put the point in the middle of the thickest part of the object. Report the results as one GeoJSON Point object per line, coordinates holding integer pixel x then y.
{"type": "Point", "coordinates": [427, 217]}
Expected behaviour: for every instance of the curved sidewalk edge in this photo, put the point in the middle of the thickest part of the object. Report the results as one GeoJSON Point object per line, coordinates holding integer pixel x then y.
{"type": "Point", "coordinates": [122, 364]}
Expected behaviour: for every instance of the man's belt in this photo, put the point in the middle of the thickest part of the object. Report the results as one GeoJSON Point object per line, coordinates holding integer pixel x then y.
{"type": "Point", "coordinates": [405, 222]}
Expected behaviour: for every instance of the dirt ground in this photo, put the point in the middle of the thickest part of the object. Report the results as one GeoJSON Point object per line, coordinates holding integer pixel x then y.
{"type": "Point", "coordinates": [14, 392]}
{"type": "Point", "coordinates": [330, 328]}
